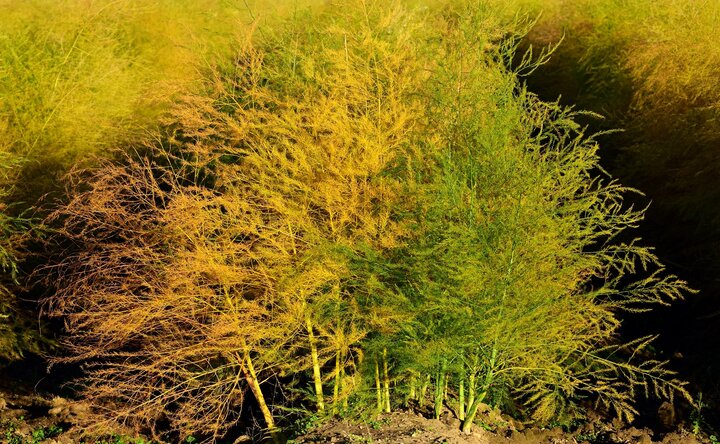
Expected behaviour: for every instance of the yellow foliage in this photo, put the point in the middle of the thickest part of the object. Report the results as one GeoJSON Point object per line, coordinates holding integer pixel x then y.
{"type": "Point", "coordinates": [378, 183]}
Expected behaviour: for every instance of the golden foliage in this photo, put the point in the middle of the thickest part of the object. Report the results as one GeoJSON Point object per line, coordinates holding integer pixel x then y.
{"type": "Point", "coordinates": [179, 271]}
{"type": "Point", "coordinates": [375, 184]}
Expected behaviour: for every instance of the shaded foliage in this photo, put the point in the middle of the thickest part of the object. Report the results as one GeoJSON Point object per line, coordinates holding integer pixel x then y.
{"type": "Point", "coordinates": [650, 69]}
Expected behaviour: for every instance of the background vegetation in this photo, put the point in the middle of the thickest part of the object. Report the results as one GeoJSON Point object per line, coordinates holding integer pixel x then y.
{"type": "Point", "coordinates": [346, 208]}
{"type": "Point", "coordinates": [649, 68]}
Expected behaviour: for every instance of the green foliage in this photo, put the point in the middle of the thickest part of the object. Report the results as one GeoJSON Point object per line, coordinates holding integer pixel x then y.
{"type": "Point", "coordinates": [652, 70]}
{"type": "Point", "coordinates": [16, 337]}
{"type": "Point", "coordinates": [699, 422]}
{"type": "Point", "coordinates": [43, 433]}
{"type": "Point", "coordinates": [11, 436]}
{"type": "Point", "coordinates": [122, 439]}
{"type": "Point", "coordinates": [8, 430]}
{"type": "Point", "coordinates": [514, 235]}
{"type": "Point", "coordinates": [79, 79]}
{"type": "Point", "coordinates": [374, 203]}
{"type": "Point", "coordinates": [304, 424]}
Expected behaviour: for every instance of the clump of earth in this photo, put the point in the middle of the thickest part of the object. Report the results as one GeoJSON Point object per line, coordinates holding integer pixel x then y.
{"type": "Point", "coordinates": [412, 428]}
{"type": "Point", "coordinates": [27, 417]}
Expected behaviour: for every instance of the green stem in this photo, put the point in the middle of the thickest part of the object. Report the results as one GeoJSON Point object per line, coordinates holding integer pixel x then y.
{"type": "Point", "coordinates": [472, 410]}
{"type": "Point", "coordinates": [461, 399]}
{"type": "Point", "coordinates": [386, 378]}
{"type": "Point", "coordinates": [471, 387]}
{"type": "Point", "coordinates": [412, 393]}
{"type": "Point", "coordinates": [423, 391]}
{"type": "Point", "coordinates": [378, 387]}
{"type": "Point", "coordinates": [440, 389]}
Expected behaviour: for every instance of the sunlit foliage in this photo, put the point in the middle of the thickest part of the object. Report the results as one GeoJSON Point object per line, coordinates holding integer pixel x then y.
{"type": "Point", "coordinates": [650, 68]}
{"type": "Point", "coordinates": [77, 80]}
{"type": "Point", "coordinates": [370, 205]}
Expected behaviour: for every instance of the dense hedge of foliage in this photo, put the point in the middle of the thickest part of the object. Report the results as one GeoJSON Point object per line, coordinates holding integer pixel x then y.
{"type": "Point", "coordinates": [78, 80]}
{"type": "Point", "coordinates": [651, 69]}
{"type": "Point", "coordinates": [347, 208]}
{"type": "Point", "coordinates": [373, 205]}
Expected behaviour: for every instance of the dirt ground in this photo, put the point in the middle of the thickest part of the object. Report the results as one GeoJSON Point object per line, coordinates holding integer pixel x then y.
{"type": "Point", "coordinates": [32, 419]}
{"type": "Point", "coordinates": [27, 418]}
{"type": "Point", "coordinates": [411, 428]}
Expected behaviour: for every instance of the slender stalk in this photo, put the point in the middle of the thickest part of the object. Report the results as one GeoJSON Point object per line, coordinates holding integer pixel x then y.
{"type": "Point", "coordinates": [471, 386]}
{"type": "Point", "coordinates": [412, 392]}
{"type": "Point", "coordinates": [423, 391]}
{"type": "Point", "coordinates": [461, 399]}
{"type": "Point", "coordinates": [254, 384]}
{"type": "Point", "coordinates": [342, 384]}
{"type": "Point", "coordinates": [386, 378]}
{"type": "Point", "coordinates": [446, 386]}
{"type": "Point", "coordinates": [378, 387]}
{"type": "Point", "coordinates": [345, 394]}
{"type": "Point", "coordinates": [472, 410]}
{"type": "Point", "coordinates": [336, 387]}
{"type": "Point", "coordinates": [440, 389]}
{"type": "Point", "coordinates": [317, 376]}
{"type": "Point", "coordinates": [438, 395]}
{"type": "Point", "coordinates": [350, 383]}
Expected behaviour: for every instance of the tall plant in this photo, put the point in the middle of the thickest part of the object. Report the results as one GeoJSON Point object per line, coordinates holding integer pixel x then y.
{"type": "Point", "coordinates": [514, 233]}
{"type": "Point", "coordinates": [370, 202]}
{"type": "Point", "coordinates": [221, 257]}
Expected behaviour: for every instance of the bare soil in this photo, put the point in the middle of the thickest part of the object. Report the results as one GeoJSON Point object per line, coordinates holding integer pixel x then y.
{"type": "Point", "coordinates": [32, 419]}
{"type": "Point", "coordinates": [412, 428]}
{"type": "Point", "coordinates": [29, 418]}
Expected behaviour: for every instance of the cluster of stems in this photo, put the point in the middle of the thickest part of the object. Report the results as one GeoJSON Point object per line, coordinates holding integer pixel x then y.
{"type": "Point", "coordinates": [376, 208]}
